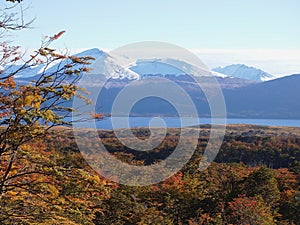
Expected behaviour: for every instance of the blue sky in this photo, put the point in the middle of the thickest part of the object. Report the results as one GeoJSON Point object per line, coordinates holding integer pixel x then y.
{"type": "Point", "coordinates": [210, 25]}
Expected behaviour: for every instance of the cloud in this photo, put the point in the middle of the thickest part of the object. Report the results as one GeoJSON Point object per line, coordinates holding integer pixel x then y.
{"type": "Point", "coordinates": [278, 62]}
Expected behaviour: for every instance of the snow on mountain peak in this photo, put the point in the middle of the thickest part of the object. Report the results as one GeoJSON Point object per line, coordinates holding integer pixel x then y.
{"type": "Point", "coordinates": [145, 67]}
{"type": "Point", "coordinates": [109, 67]}
{"type": "Point", "coordinates": [167, 66]}
{"type": "Point", "coordinates": [94, 52]}
{"type": "Point", "coordinates": [245, 72]}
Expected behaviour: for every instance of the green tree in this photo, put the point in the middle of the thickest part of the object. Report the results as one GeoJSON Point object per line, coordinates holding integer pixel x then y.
{"type": "Point", "coordinates": [262, 183]}
{"type": "Point", "coordinates": [290, 209]}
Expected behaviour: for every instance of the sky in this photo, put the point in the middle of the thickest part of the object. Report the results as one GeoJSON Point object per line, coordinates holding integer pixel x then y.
{"type": "Point", "coordinates": [263, 33]}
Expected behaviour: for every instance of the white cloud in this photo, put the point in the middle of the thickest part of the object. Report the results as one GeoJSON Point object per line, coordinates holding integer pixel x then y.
{"type": "Point", "coordinates": [278, 62]}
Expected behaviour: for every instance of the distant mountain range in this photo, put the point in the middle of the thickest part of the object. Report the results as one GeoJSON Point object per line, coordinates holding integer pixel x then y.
{"type": "Point", "coordinates": [249, 92]}
{"type": "Point", "coordinates": [110, 67]}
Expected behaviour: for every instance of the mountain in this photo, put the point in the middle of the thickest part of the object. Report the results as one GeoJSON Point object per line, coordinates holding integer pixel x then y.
{"type": "Point", "coordinates": [245, 72]}
{"type": "Point", "coordinates": [94, 52]}
{"type": "Point", "coordinates": [272, 99]}
{"type": "Point", "coordinates": [275, 99]}
{"type": "Point", "coordinates": [110, 67]}
{"type": "Point", "coordinates": [36, 70]}
{"type": "Point", "coordinates": [168, 66]}
{"type": "Point", "coordinates": [145, 67]}
{"type": "Point", "coordinates": [103, 64]}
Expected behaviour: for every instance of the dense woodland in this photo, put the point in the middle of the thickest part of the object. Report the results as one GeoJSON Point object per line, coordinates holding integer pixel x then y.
{"type": "Point", "coordinates": [255, 180]}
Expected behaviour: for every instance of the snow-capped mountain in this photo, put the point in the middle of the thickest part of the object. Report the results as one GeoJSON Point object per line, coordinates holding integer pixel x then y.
{"type": "Point", "coordinates": [39, 69]}
{"type": "Point", "coordinates": [112, 67]}
{"type": "Point", "coordinates": [95, 53]}
{"type": "Point", "coordinates": [167, 66]}
{"type": "Point", "coordinates": [245, 72]}
{"type": "Point", "coordinates": [104, 64]}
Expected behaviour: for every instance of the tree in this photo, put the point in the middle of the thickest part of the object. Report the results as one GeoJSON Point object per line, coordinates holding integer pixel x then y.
{"type": "Point", "coordinates": [28, 110]}
{"type": "Point", "coordinates": [250, 211]}
{"type": "Point", "coordinates": [290, 208]}
{"type": "Point", "coordinates": [65, 191]}
{"type": "Point", "coordinates": [262, 183]}
{"type": "Point", "coordinates": [11, 19]}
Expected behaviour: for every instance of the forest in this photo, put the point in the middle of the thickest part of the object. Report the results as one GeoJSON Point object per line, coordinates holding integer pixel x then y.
{"type": "Point", "coordinates": [254, 180]}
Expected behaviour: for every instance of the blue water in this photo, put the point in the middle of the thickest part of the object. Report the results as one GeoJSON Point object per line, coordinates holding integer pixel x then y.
{"type": "Point", "coordinates": [173, 122]}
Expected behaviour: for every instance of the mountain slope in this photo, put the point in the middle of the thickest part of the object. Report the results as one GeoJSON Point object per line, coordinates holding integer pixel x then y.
{"type": "Point", "coordinates": [272, 99]}
{"type": "Point", "coordinates": [276, 99]}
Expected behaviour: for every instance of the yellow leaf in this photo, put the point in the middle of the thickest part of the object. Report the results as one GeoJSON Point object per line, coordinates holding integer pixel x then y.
{"type": "Point", "coordinates": [28, 100]}
{"type": "Point", "coordinates": [53, 190]}
{"type": "Point", "coordinates": [12, 193]}
{"type": "Point", "coordinates": [97, 179]}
